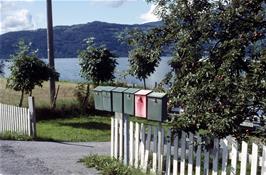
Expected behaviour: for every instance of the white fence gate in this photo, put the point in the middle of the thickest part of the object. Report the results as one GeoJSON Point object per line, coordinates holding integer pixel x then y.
{"type": "Point", "coordinates": [152, 149]}
{"type": "Point", "coordinates": [18, 119]}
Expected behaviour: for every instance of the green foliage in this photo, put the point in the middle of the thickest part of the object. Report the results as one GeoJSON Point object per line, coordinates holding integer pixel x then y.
{"type": "Point", "coordinates": [1, 67]}
{"type": "Point", "coordinates": [218, 64]}
{"type": "Point", "coordinates": [84, 98]}
{"type": "Point", "coordinates": [97, 63]}
{"type": "Point", "coordinates": [144, 56]}
{"type": "Point", "coordinates": [14, 136]}
{"type": "Point", "coordinates": [27, 71]}
{"type": "Point", "coordinates": [108, 165]}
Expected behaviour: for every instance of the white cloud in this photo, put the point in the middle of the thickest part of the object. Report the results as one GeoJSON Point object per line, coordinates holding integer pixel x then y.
{"type": "Point", "coordinates": [150, 16]}
{"type": "Point", "coordinates": [111, 3]}
{"type": "Point", "coordinates": [13, 18]}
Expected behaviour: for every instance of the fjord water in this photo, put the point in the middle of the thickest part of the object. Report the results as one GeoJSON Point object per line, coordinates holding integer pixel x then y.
{"type": "Point", "coordinates": [69, 70]}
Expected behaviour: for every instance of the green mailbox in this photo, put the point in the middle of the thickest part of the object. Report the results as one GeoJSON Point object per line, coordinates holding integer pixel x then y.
{"type": "Point", "coordinates": [157, 106]}
{"type": "Point", "coordinates": [118, 99]}
{"type": "Point", "coordinates": [129, 101]}
{"type": "Point", "coordinates": [107, 98]}
{"type": "Point", "coordinates": [98, 99]}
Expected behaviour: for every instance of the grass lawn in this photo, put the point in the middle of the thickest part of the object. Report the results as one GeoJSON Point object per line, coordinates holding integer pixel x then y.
{"type": "Point", "coordinates": [78, 129]}
{"type": "Point", "coordinates": [41, 94]}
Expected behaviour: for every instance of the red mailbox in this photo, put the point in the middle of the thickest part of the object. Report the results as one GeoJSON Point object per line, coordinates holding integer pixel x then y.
{"type": "Point", "coordinates": [141, 103]}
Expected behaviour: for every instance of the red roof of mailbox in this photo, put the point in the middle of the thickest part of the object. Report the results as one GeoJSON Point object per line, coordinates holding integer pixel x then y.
{"type": "Point", "coordinates": [143, 92]}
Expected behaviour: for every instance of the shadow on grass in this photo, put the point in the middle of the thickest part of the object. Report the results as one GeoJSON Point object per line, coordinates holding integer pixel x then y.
{"type": "Point", "coordinates": [88, 125]}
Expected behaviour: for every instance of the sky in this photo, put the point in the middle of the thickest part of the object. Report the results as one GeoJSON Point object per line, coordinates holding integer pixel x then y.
{"type": "Point", "coordinates": [16, 15]}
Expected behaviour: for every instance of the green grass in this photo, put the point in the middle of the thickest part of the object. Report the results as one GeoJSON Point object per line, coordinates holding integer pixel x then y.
{"type": "Point", "coordinates": [14, 136]}
{"type": "Point", "coordinates": [108, 166]}
{"type": "Point", "coordinates": [78, 129]}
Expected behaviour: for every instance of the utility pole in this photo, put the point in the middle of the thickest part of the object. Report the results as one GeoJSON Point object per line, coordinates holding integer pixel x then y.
{"type": "Point", "coordinates": [50, 50]}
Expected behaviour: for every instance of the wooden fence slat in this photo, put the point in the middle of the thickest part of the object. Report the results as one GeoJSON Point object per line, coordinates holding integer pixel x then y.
{"type": "Point", "coordinates": [116, 145]}
{"type": "Point", "coordinates": [175, 160]}
{"type": "Point", "coordinates": [112, 136]}
{"type": "Point", "coordinates": [215, 157]}
{"type": "Point", "coordinates": [147, 149]}
{"type": "Point", "coordinates": [12, 124]}
{"type": "Point", "coordinates": [183, 154]}
{"type": "Point", "coordinates": [254, 159]}
{"type": "Point", "coordinates": [126, 139]}
{"type": "Point", "coordinates": [206, 162]}
{"type": "Point", "coordinates": [136, 145]}
{"type": "Point", "coordinates": [25, 121]}
{"type": "Point", "coordinates": [155, 149]}
{"type": "Point", "coordinates": [234, 157]}
{"type": "Point", "coordinates": [8, 118]}
{"type": "Point", "coordinates": [190, 154]}
{"type": "Point", "coordinates": [224, 156]}
{"type": "Point", "coordinates": [198, 156]}
{"type": "Point", "coordinates": [17, 119]}
{"type": "Point", "coordinates": [121, 139]}
{"type": "Point", "coordinates": [160, 148]}
{"type": "Point", "coordinates": [168, 153]}
{"type": "Point", "coordinates": [263, 165]}
{"type": "Point", "coordinates": [244, 153]}
{"type": "Point", "coordinates": [131, 144]}
{"type": "Point", "coordinates": [142, 145]}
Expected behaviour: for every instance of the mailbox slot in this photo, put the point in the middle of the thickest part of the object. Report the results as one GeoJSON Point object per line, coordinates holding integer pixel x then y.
{"type": "Point", "coordinates": [157, 106]}
{"type": "Point", "coordinates": [141, 107]}
{"type": "Point", "coordinates": [129, 101]}
{"type": "Point", "coordinates": [118, 99]}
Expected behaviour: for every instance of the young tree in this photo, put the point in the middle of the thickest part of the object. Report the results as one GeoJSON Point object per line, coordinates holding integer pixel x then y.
{"type": "Point", "coordinates": [144, 56]}
{"type": "Point", "coordinates": [27, 71]}
{"type": "Point", "coordinates": [97, 66]}
{"type": "Point", "coordinates": [218, 64]}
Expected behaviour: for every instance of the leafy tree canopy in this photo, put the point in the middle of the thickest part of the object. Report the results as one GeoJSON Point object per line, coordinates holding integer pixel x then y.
{"type": "Point", "coordinates": [218, 62]}
{"type": "Point", "coordinates": [97, 63]}
{"type": "Point", "coordinates": [27, 71]}
{"type": "Point", "coordinates": [145, 54]}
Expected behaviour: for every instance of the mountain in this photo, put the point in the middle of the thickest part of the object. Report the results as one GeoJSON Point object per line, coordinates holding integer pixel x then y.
{"type": "Point", "coordinates": [68, 40]}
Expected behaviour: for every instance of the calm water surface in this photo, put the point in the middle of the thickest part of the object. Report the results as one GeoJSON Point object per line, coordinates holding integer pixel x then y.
{"type": "Point", "coordinates": [69, 70]}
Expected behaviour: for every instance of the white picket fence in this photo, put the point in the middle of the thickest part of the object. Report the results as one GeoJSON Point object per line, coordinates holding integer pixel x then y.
{"type": "Point", "coordinates": [17, 119]}
{"type": "Point", "coordinates": [153, 149]}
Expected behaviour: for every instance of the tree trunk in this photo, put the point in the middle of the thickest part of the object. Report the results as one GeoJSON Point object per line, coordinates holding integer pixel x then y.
{"type": "Point", "coordinates": [85, 100]}
{"type": "Point", "coordinates": [21, 98]}
{"type": "Point", "coordinates": [144, 83]}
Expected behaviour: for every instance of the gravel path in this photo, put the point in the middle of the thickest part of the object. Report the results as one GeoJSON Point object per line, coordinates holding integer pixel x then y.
{"type": "Point", "coordinates": [47, 158]}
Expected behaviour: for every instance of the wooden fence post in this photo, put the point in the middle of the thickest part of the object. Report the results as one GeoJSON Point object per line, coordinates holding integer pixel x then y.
{"type": "Point", "coordinates": [32, 112]}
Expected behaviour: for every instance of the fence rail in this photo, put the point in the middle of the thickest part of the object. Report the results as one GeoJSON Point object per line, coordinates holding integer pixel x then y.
{"type": "Point", "coordinates": [18, 119]}
{"type": "Point", "coordinates": [152, 148]}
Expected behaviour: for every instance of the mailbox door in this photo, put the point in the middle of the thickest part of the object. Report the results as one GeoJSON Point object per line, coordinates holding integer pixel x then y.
{"type": "Point", "coordinates": [98, 101]}
{"type": "Point", "coordinates": [129, 104]}
{"type": "Point", "coordinates": [117, 102]}
{"type": "Point", "coordinates": [155, 109]}
{"type": "Point", "coordinates": [107, 101]}
{"type": "Point", "coordinates": [140, 106]}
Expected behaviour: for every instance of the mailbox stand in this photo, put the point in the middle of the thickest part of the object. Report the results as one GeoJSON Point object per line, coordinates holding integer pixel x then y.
{"type": "Point", "coordinates": [125, 102]}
